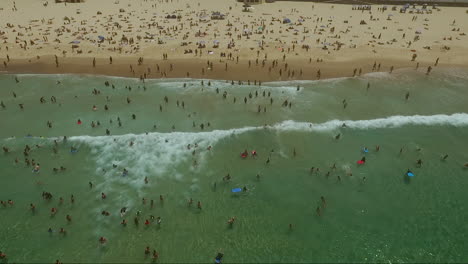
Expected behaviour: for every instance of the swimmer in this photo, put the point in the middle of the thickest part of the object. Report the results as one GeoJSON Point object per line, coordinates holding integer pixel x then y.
{"type": "Point", "coordinates": [62, 231]}
{"type": "Point", "coordinates": [377, 148]}
{"type": "Point", "coordinates": [199, 205]}
{"type": "Point", "coordinates": [147, 250]}
{"type": "Point", "coordinates": [244, 154]}
{"type": "Point", "coordinates": [103, 196]}
{"type": "Point", "coordinates": [102, 240]}
{"type": "Point", "coordinates": [324, 204]}
{"type": "Point", "coordinates": [190, 202]}
{"type": "Point", "coordinates": [69, 218]}
{"type": "Point", "coordinates": [231, 221]}
{"type": "Point", "coordinates": [419, 162]}
{"type": "Point", "coordinates": [244, 189]}
{"type": "Point", "coordinates": [227, 177]}
{"type": "Point", "coordinates": [219, 258]}
{"type": "Point", "coordinates": [155, 255]}
{"type": "Point", "coordinates": [36, 168]}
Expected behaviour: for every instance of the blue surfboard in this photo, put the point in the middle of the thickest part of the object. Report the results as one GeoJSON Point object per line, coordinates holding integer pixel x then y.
{"type": "Point", "coordinates": [410, 174]}
{"type": "Point", "coordinates": [236, 190]}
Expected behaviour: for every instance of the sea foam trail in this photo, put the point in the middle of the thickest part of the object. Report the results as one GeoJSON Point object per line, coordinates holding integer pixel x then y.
{"type": "Point", "coordinates": [163, 154]}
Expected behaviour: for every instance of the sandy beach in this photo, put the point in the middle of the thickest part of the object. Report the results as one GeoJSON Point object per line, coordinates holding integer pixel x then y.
{"type": "Point", "coordinates": [273, 41]}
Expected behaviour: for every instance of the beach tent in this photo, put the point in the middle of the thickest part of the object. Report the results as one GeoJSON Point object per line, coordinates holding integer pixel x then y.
{"type": "Point", "coordinates": [286, 20]}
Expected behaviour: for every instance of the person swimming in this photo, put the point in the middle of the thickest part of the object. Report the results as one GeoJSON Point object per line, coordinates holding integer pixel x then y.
{"type": "Point", "coordinates": [219, 258]}
{"type": "Point", "coordinates": [36, 168]}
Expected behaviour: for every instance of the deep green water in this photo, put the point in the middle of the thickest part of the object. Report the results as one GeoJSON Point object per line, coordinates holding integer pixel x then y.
{"type": "Point", "coordinates": [377, 214]}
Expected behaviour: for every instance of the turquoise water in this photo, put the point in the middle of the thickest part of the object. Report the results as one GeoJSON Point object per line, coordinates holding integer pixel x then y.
{"type": "Point", "coordinates": [373, 213]}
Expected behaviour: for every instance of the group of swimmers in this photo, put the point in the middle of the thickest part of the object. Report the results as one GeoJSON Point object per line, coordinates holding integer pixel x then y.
{"type": "Point", "coordinates": [46, 195]}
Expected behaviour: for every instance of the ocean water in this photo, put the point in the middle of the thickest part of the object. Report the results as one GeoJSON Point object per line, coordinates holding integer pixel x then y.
{"type": "Point", "coordinates": [372, 212]}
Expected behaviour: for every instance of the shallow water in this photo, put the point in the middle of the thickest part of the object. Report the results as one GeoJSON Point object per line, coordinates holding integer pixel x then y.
{"type": "Point", "coordinates": [373, 213]}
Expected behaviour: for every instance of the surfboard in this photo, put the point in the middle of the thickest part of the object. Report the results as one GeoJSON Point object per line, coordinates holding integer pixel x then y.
{"type": "Point", "coordinates": [410, 174]}
{"type": "Point", "coordinates": [235, 190]}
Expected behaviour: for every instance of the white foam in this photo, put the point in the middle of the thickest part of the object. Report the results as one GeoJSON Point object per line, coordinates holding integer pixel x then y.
{"type": "Point", "coordinates": [153, 155]}
{"type": "Point", "coordinates": [458, 120]}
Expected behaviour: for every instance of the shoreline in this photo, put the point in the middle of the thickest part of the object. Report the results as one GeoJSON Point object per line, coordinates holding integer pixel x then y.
{"type": "Point", "coordinates": [199, 69]}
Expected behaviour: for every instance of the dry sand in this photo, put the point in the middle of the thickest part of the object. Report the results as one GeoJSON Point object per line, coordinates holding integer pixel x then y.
{"type": "Point", "coordinates": [35, 35]}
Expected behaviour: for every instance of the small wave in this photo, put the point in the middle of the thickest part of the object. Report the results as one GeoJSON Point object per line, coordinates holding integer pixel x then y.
{"type": "Point", "coordinates": [159, 154]}
{"type": "Point", "coordinates": [459, 119]}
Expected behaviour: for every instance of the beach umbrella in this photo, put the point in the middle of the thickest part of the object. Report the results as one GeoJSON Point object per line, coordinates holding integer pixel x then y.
{"type": "Point", "coordinates": [101, 38]}
{"type": "Point", "coordinates": [286, 20]}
